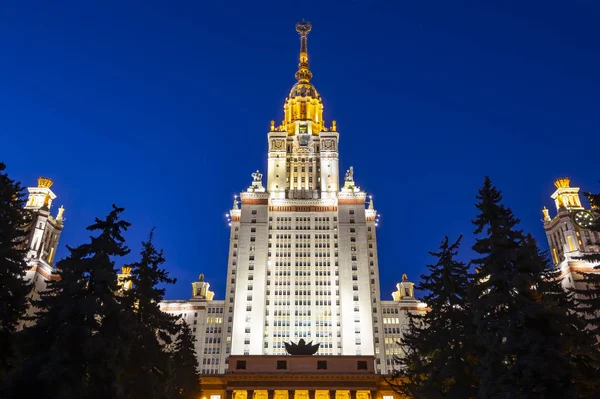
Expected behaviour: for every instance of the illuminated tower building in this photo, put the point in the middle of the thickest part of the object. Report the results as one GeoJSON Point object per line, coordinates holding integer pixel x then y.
{"type": "Point", "coordinates": [303, 253]}
{"type": "Point", "coordinates": [303, 258]}
{"type": "Point", "coordinates": [45, 232]}
{"type": "Point", "coordinates": [568, 235]}
{"type": "Point", "coordinates": [42, 242]}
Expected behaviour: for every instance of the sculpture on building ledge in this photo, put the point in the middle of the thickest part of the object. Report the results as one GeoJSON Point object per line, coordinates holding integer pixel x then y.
{"type": "Point", "coordinates": [349, 175]}
{"type": "Point", "coordinates": [301, 348]}
{"type": "Point", "coordinates": [257, 184]}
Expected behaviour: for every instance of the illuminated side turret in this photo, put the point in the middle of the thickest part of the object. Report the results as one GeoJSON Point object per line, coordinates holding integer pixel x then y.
{"type": "Point", "coordinates": [44, 236]}
{"type": "Point", "coordinates": [568, 232]}
{"type": "Point", "coordinates": [124, 278]}
{"type": "Point", "coordinates": [42, 241]}
{"type": "Point", "coordinates": [200, 289]}
{"type": "Point", "coordinates": [565, 196]}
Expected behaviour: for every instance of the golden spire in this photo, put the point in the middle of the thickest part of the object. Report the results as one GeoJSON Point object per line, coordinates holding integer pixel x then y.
{"type": "Point", "coordinates": [303, 75]}
{"type": "Point", "coordinates": [303, 102]}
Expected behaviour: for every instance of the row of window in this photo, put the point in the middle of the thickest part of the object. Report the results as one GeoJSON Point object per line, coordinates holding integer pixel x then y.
{"type": "Point", "coordinates": [320, 365]}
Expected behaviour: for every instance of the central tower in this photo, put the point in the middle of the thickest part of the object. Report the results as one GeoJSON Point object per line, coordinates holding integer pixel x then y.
{"type": "Point", "coordinates": [303, 157]}
{"type": "Point", "coordinates": [303, 251]}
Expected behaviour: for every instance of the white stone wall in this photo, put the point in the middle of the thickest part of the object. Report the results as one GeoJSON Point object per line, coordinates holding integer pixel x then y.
{"type": "Point", "coordinates": [205, 319]}
{"type": "Point", "coordinates": [276, 169]}
{"type": "Point", "coordinates": [250, 278]}
{"type": "Point", "coordinates": [329, 159]}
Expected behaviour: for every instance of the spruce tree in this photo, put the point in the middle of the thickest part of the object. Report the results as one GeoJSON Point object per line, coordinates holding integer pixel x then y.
{"type": "Point", "coordinates": [75, 348]}
{"type": "Point", "coordinates": [184, 378]}
{"type": "Point", "coordinates": [440, 358]}
{"type": "Point", "coordinates": [525, 324]}
{"type": "Point", "coordinates": [13, 294]}
{"type": "Point", "coordinates": [148, 365]}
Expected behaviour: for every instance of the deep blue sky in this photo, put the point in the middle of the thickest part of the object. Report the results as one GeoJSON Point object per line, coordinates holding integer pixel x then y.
{"type": "Point", "coordinates": [163, 108]}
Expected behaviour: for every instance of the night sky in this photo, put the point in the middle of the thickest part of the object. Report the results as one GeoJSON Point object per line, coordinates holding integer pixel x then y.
{"type": "Point", "coordinates": [164, 107]}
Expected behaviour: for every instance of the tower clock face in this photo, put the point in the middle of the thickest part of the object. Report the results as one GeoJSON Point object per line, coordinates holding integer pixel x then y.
{"type": "Point", "coordinates": [583, 219]}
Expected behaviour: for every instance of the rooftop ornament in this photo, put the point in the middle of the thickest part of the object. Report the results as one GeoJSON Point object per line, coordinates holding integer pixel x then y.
{"type": "Point", "coordinates": [301, 348]}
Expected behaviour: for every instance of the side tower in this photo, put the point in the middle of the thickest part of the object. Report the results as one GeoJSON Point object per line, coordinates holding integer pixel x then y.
{"type": "Point", "coordinates": [568, 235]}
{"type": "Point", "coordinates": [395, 316]}
{"type": "Point", "coordinates": [205, 318]}
{"type": "Point", "coordinates": [45, 232]}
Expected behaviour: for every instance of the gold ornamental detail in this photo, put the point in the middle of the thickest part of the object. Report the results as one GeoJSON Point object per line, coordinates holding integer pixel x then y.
{"type": "Point", "coordinates": [44, 182]}
{"type": "Point", "coordinates": [563, 182]}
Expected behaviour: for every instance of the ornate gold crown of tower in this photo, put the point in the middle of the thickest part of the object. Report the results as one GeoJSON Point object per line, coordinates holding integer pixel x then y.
{"type": "Point", "coordinates": [303, 102]}
{"type": "Point", "coordinates": [562, 182]}
{"type": "Point", "coordinates": [44, 182]}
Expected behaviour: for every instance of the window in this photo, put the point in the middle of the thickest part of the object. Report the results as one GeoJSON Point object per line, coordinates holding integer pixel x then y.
{"type": "Point", "coordinates": [254, 211]}
{"type": "Point", "coordinates": [241, 365]}
{"type": "Point", "coordinates": [282, 365]}
{"type": "Point", "coordinates": [321, 364]}
{"type": "Point", "coordinates": [360, 365]}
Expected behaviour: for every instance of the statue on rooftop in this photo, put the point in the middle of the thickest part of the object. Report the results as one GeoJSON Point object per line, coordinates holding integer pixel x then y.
{"type": "Point", "coordinates": [301, 348]}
